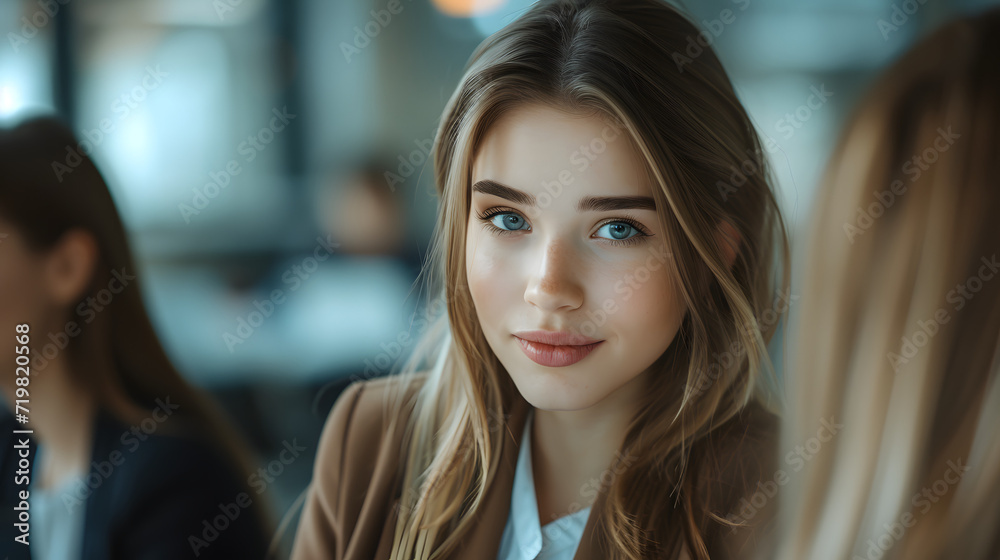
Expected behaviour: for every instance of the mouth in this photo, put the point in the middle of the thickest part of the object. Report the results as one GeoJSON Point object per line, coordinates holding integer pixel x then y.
{"type": "Point", "coordinates": [555, 355]}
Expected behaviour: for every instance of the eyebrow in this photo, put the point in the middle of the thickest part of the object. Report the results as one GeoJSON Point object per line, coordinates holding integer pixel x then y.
{"type": "Point", "coordinates": [587, 203]}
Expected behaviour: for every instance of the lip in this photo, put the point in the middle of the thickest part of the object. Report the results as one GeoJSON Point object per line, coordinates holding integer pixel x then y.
{"type": "Point", "coordinates": [555, 349]}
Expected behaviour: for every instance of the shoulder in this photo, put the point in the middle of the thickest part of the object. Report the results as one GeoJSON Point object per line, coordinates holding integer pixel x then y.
{"type": "Point", "coordinates": [356, 435]}
{"type": "Point", "coordinates": [356, 467]}
{"type": "Point", "coordinates": [358, 424]}
{"type": "Point", "coordinates": [149, 458]}
{"type": "Point", "coordinates": [170, 489]}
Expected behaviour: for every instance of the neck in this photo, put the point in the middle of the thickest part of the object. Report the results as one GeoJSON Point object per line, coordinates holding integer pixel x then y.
{"type": "Point", "coordinates": [573, 451]}
{"type": "Point", "coordinates": [58, 402]}
{"type": "Point", "coordinates": [63, 412]}
{"type": "Point", "coordinates": [61, 416]}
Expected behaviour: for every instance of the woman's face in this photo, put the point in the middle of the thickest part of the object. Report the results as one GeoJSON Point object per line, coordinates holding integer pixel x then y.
{"type": "Point", "coordinates": [563, 237]}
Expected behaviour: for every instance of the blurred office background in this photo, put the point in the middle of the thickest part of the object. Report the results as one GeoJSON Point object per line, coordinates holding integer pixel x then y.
{"type": "Point", "coordinates": [263, 145]}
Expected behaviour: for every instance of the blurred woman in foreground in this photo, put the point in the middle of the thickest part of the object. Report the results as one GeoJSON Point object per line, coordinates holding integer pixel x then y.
{"type": "Point", "coordinates": [901, 315]}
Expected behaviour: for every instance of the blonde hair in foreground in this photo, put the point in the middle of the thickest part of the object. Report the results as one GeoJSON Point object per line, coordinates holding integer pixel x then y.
{"type": "Point", "coordinates": [613, 60]}
{"type": "Point", "coordinates": [901, 316]}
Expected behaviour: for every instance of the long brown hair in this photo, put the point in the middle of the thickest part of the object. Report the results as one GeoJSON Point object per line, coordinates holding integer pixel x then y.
{"type": "Point", "coordinates": [901, 317]}
{"type": "Point", "coordinates": [50, 186]}
{"type": "Point", "coordinates": [629, 62]}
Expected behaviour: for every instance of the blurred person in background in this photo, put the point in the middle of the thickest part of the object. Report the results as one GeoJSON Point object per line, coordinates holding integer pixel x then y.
{"type": "Point", "coordinates": [595, 386]}
{"type": "Point", "coordinates": [361, 212]}
{"type": "Point", "coordinates": [901, 318]}
{"type": "Point", "coordinates": [128, 460]}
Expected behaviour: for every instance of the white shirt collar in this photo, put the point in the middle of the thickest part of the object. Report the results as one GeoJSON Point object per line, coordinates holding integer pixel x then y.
{"type": "Point", "coordinates": [524, 537]}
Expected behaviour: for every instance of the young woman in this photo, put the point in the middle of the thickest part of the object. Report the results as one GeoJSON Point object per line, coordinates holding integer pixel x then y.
{"type": "Point", "coordinates": [603, 260]}
{"type": "Point", "coordinates": [127, 460]}
{"type": "Point", "coordinates": [901, 309]}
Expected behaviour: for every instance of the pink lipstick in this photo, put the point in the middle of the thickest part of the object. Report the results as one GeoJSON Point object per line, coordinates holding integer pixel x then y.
{"type": "Point", "coordinates": [555, 349]}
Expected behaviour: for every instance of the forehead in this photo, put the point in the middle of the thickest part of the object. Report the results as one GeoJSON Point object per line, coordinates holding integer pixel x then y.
{"type": "Point", "coordinates": [534, 145]}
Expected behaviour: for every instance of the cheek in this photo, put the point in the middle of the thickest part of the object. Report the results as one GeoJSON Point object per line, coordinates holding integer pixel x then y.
{"type": "Point", "coordinates": [643, 306]}
{"type": "Point", "coordinates": [19, 304]}
{"type": "Point", "coordinates": [491, 280]}
{"type": "Point", "coordinates": [20, 295]}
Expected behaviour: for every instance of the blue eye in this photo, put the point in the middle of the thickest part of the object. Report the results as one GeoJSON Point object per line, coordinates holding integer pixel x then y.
{"type": "Point", "coordinates": [508, 221]}
{"type": "Point", "coordinates": [503, 221]}
{"type": "Point", "coordinates": [619, 231]}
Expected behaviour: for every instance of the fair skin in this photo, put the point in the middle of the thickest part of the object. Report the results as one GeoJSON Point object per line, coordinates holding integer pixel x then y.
{"type": "Point", "coordinates": [37, 288]}
{"type": "Point", "coordinates": [558, 269]}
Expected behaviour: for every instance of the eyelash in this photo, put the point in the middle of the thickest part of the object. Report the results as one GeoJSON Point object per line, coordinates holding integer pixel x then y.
{"type": "Point", "coordinates": [489, 214]}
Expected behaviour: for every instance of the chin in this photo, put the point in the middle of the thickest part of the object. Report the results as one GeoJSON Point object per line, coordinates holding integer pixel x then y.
{"type": "Point", "coordinates": [553, 390]}
{"type": "Point", "coordinates": [549, 402]}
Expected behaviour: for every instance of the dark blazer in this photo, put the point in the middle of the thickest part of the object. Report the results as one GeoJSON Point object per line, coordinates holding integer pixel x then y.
{"type": "Point", "coordinates": [162, 492]}
{"type": "Point", "coordinates": [351, 504]}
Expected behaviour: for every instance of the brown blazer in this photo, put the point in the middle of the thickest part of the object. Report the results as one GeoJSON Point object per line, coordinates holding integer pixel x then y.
{"type": "Point", "coordinates": [350, 512]}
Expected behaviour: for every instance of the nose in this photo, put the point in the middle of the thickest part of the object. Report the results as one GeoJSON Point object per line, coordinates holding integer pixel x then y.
{"type": "Point", "coordinates": [554, 279]}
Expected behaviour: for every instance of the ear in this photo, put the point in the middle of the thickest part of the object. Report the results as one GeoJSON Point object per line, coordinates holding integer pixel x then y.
{"type": "Point", "coordinates": [69, 266]}
{"type": "Point", "coordinates": [729, 238]}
